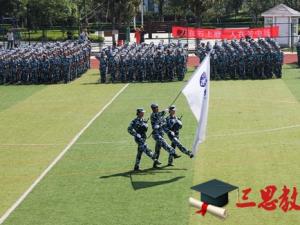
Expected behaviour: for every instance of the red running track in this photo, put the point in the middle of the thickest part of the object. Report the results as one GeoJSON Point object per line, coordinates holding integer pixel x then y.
{"type": "Point", "coordinates": [194, 61]}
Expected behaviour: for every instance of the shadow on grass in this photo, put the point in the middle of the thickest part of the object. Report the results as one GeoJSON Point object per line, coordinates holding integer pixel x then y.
{"type": "Point", "coordinates": [136, 185]}
{"type": "Point", "coordinates": [92, 83]}
{"type": "Point", "coordinates": [148, 184]}
{"type": "Point", "coordinates": [150, 171]}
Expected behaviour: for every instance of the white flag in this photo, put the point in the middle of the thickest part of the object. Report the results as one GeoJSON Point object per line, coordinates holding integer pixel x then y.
{"type": "Point", "coordinates": [197, 94]}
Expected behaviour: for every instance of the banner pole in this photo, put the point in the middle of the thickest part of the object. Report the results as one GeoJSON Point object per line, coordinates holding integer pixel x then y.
{"type": "Point", "coordinates": [176, 97]}
{"type": "Point", "coordinates": [186, 84]}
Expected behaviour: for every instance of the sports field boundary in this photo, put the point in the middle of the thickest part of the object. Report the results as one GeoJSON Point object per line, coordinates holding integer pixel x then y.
{"type": "Point", "coordinates": [58, 158]}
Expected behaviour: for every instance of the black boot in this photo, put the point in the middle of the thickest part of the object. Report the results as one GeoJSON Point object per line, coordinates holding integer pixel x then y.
{"type": "Point", "coordinates": [191, 155]}
{"type": "Point", "coordinates": [176, 156]}
{"type": "Point", "coordinates": [136, 168]}
{"type": "Point", "coordinates": [156, 163]}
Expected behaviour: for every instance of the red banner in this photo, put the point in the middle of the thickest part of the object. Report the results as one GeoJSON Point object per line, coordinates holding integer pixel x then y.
{"type": "Point", "coordinates": [226, 33]}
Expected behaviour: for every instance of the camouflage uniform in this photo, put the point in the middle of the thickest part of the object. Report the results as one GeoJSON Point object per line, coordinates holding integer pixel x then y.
{"type": "Point", "coordinates": [48, 63]}
{"type": "Point", "coordinates": [138, 128]}
{"type": "Point", "coordinates": [169, 66]}
{"type": "Point", "coordinates": [158, 123]}
{"type": "Point", "coordinates": [102, 66]}
{"type": "Point", "coordinates": [180, 65]}
{"type": "Point", "coordinates": [122, 66]}
{"type": "Point", "coordinates": [173, 125]}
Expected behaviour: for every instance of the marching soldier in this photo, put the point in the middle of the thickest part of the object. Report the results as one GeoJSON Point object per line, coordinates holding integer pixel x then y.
{"type": "Point", "coordinates": [158, 123]}
{"type": "Point", "coordinates": [174, 124]}
{"type": "Point", "coordinates": [138, 128]}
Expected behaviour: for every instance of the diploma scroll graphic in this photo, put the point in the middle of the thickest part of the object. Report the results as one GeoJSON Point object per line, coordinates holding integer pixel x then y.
{"type": "Point", "coordinates": [214, 210]}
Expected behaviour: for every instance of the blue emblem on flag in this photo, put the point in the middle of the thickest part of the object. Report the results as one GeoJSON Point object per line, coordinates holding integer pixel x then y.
{"type": "Point", "coordinates": [203, 80]}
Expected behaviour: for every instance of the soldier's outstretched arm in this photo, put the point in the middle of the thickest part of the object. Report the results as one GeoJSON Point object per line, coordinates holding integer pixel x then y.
{"type": "Point", "coordinates": [162, 113]}
{"type": "Point", "coordinates": [131, 130]}
{"type": "Point", "coordinates": [166, 129]}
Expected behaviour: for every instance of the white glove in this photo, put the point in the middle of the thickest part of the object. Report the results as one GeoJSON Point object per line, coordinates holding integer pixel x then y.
{"type": "Point", "coordinates": [172, 133]}
{"type": "Point", "coordinates": [156, 127]}
{"type": "Point", "coordinates": [138, 136]}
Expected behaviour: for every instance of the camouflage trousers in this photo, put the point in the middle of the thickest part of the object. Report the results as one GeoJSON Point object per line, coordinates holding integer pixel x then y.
{"type": "Point", "coordinates": [176, 143]}
{"type": "Point", "coordinates": [142, 148]}
{"type": "Point", "coordinates": [161, 143]}
{"type": "Point", "coordinates": [103, 75]}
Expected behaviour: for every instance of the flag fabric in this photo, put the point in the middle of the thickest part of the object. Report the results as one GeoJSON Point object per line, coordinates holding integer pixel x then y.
{"type": "Point", "coordinates": [197, 94]}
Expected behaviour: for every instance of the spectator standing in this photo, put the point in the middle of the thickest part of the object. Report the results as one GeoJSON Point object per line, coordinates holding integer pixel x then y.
{"type": "Point", "coordinates": [10, 39]}
{"type": "Point", "coordinates": [83, 36]}
{"type": "Point", "coordinates": [142, 33]}
{"type": "Point", "coordinates": [138, 35]}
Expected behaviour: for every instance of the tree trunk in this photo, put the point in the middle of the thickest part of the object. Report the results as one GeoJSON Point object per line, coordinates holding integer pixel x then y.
{"type": "Point", "coordinates": [161, 10]}
{"type": "Point", "coordinates": [198, 24]}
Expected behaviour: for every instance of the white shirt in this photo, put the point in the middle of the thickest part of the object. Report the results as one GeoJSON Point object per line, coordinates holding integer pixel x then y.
{"type": "Point", "coordinates": [10, 36]}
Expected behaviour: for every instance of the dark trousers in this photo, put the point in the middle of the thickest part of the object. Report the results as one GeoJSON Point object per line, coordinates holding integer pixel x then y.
{"type": "Point", "coordinates": [10, 44]}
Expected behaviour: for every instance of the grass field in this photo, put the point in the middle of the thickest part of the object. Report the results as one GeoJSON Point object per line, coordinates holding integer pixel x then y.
{"type": "Point", "coordinates": [253, 141]}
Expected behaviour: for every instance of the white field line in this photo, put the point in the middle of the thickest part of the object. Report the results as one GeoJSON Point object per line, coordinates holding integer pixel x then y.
{"type": "Point", "coordinates": [26, 193]}
{"type": "Point", "coordinates": [186, 138]}
{"type": "Point", "coordinates": [256, 132]}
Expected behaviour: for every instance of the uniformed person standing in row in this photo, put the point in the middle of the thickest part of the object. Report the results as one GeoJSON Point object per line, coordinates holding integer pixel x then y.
{"type": "Point", "coordinates": [103, 66]}
{"type": "Point", "coordinates": [173, 125]}
{"type": "Point", "coordinates": [138, 129]}
{"type": "Point", "coordinates": [158, 123]}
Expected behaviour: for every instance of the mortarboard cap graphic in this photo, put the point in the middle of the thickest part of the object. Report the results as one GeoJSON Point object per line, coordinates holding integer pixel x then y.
{"type": "Point", "coordinates": [214, 192]}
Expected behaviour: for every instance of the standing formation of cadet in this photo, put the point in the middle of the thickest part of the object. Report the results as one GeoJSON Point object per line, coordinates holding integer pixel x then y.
{"type": "Point", "coordinates": [45, 63]}
{"type": "Point", "coordinates": [143, 62]}
{"type": "Point", "coordinates": [244, 59]}
{"type": "Point", "coordinates": [160, 125]}
{"type": "Point", "coordinates": [298, 51]}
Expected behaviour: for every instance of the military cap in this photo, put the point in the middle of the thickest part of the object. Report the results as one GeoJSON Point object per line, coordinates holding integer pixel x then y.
{"type": "Point", "coordinates": [154, 105]}
{"type": "Point", "coordinates": [139, 110]}
{"type": "Point", "coordinates": [172, 107]}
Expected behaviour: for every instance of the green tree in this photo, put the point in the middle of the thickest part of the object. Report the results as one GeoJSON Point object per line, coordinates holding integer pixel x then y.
{"type": "Point", "coordinates": [256, 7]}
{"type": "Point", "coordinates": [233, 6]}
{"type": "Point", "coordinates": [161, 5]}
{"type": "Point", "coordinates": [51, 12]}
{"type": "Point", "coordinates": [199, 8]}
{"type": "Point", "coordinates": [178, 8]}
{"type": "Point", "coordinates": [13, 8]}
{"type": "Point", "coordinates": [295, 4]}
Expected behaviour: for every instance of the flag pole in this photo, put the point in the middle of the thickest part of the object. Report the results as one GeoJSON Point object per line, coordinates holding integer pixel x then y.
{"type": "Point", "coordinates": [186, 84]}
{"type": "Point", "coordinates": [176, 97]}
